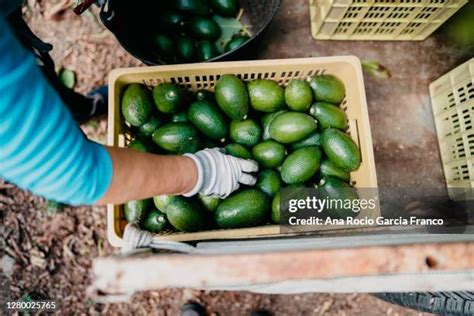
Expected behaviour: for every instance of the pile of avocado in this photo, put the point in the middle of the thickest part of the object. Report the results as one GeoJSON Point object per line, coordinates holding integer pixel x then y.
{"type": "Point", "coordinates": [187, 30]}
{"type": "Point", "coordinates": [295, 133]}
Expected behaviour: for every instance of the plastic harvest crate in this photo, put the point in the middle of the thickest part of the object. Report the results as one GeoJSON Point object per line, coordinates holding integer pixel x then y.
{"type": "Point", "coordinates": [388, 20]}
{"type": "Point", "coordinates": [204, 76]}
{"type": "Point", "coordinates": [452, 99]}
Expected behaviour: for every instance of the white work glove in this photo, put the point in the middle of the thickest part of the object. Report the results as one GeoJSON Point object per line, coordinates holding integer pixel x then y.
{"type": "Point", "coordinates": [219, 175]}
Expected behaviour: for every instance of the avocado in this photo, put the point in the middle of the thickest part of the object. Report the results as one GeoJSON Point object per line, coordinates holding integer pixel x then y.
{"type": "Point", "coordinates": [340, 149]}
{"type": "Point", "coordinates": [134, 211]}
{"type": "Point", "coordinates": [198, 7]}
{"type": "Point", "coordinates": [161, 201]}
{"type": "Point", "coordinates": [247, 208]}
{"type": "Point", "coordinates": [227, 8]}
{"type": "Point", "coordinates": [236, 42]}
{"type": "Point", "coordinates": [150, 126]}
{"type": "Point", "coordinates": [173, 136]}
{"type": "Point", "coordinates": [204, 28]}
{"type": "Point", "coordinates": [205, 95]}
{"type": "Point", "coordinates": [329, 115]}
{"type": "Point", "coordinates": [140, 145]}
{"type": "Point", "coordinates": [238, 151]}
{"type": "Point", "coordinates": [164, 45]}
{"type": "Point", "coordinates": [336, 189]}
{"type": "Point", "coordinates": [137, 104]}
{"type": "Point", "coordinates": [291, 127]}
{"type": "Point", "coordinates": [179, 117]}
{"type": "Point", "coordinates": [206, 50]}
{"type": "Point", "coordinates": [269, 182]}
{"type": "Point", "coordinates": [327, 88]}
{"type": "Point", "coordinates": [185, 49]}
{"type": "Point", "coordinates": [208, 119]}
{"type": "Point", "coordinates": [168, 97]}
{"type": "Point", "coordinates": [185, 215]}
{"type": "Point", "coordinates": [266, 95]}
{"type": "Point", "coordinates": [267, 119]}
{"type": "Point", "coordinates": [269, 153]}
{"type": "Point", "coordinates": [301, 165]}
{"type": "Point", "coordinates": [171, 20]}
{"type": "Point", "coordinates": [232, 97]}
{"type": "Point", "coordinates": [298, 95]}
{"type": "Point", "coordinates": [329, 169]}
{"type": "Point", "coordinates": [190, 146]}
{"type": "Point", "coordinates": [314, 139]}
{"type": "Point", "coordinates": [247, 132]}
{"type": "Point", "coordinates": [154, 222]}
{"type": "Point", "coordinates": [276, 208]}
{"type": "Point", "coordinates": [210, 203]}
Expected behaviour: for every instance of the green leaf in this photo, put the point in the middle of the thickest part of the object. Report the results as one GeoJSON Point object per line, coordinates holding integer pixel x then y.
{"type": "Point", "coordinates": [229, 27]}
{"type": "Point", "coordinates": [67, 78]}
{"type": "Point", "coordinates": [374, 68]}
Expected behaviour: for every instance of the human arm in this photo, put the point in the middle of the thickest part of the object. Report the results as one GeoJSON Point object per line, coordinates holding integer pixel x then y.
{"type": "Point", "coordinates": [42, 149]}
{"type": "Point", "coordinates": [140, 175]}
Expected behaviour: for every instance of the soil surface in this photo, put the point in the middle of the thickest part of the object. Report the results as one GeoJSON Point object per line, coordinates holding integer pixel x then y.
{"type": "Point", "coordinates": [47, 254]}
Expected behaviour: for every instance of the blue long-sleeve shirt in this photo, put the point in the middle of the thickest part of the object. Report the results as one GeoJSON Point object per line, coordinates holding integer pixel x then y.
{"type": "Point", "coordinates": [41, 147]}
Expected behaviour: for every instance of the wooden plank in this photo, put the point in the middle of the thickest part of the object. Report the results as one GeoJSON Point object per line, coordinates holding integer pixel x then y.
{"type": "Point", "coordinates": [150, 271]}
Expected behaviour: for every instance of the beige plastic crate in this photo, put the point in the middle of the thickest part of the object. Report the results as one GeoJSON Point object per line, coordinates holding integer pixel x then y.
{"type": "Point", "coordinates": [388, 20]}
{"type": "Point", "coordinates": [204, 76]}
{"type": "Point", "coordinates": [452, 99]}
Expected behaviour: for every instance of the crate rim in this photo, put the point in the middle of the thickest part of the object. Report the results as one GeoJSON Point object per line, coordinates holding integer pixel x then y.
{"type": "Point", "coordinates": [351, 60]}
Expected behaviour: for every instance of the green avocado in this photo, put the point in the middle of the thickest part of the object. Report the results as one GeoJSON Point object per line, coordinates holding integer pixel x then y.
{"type": "Point", "coordinates": [238, 151]}
{"type": "Point", "coordinates": [150, 126]}
{"type": "Point", "coordinates": [185, 215]}
{"type": "Point", "coordinates": [208, 119]}
{"type": "Point", "coordinates": [236, 42]}
{"type": "Point", "coordinates": [185, 49]}
{"type": "Point", "coordinates": [134, 211]}
{"type": "Point", "coordinates": [329, 169]}
{"type": "Point", "coordinates": [269, 153]}
{"type": "Point", "coordinates": [197, 7]}
{"type": "Point", "coordinates": [247, 132]}
{"type": "Point", "coordinates": [210, 203]}
{"type": "Point", "coordinates": [173, 136]}
{"type": "Point", "coordinates": [276, 208]}
{"type": "Point", "coordinates": [298, 95]}
{"type": "Point", "coordinates": [154, 222]}
{"type": "Point", "coordinates": [340, 149]}
{"type": "Point", "coordinates": [314, 139]}
{"type": "Point", "coordinates": [329, 115]}
{"type": "Point", "coordinates": [168, 97]}
{"type": "Point", "coordinates": [227, 8]}
{"type": "Point", "coordinates": [269, 182]}
{"type": "Point", "coordinates": [266, 95]}
{"type": "Point", "coordinates": [327, 88]}
{"type": "Point", "coordinates": [206, 50]}
{"type": "Point", "coordinates": [204, 28]}
{"type": "Point", "coordinates": [232, 97]}
{"type": "Point", "coordinates": [336, 189]}
{"type": "Point", "coordinates": [137, 104]}
{"type": "Point", "coordinates": [301, 165]}
{"type": "Point", "coordinates": [267, 119]}
{"type": "Point", "coordinates": [247, 208]}
{"type": "Point", "coordinates": [291, 127]}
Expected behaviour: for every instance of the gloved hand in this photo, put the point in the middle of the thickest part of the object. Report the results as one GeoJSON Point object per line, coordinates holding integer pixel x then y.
{"type": "Point", "coordinates": [219, 174]}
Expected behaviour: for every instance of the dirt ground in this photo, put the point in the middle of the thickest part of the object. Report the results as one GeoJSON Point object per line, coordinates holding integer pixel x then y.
{"type": "Point", "coordinates": [48, 256]}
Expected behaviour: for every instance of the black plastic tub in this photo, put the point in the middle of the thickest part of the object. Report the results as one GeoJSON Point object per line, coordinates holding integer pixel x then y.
{"type": "Point", "coordinates": [119, 16]}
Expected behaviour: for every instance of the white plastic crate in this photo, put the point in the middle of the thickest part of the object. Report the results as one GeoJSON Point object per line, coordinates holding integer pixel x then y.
{"type": "Point", "coordinates": [379, 19]}
{"type": "Point", "coordinates": [452, 99]}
